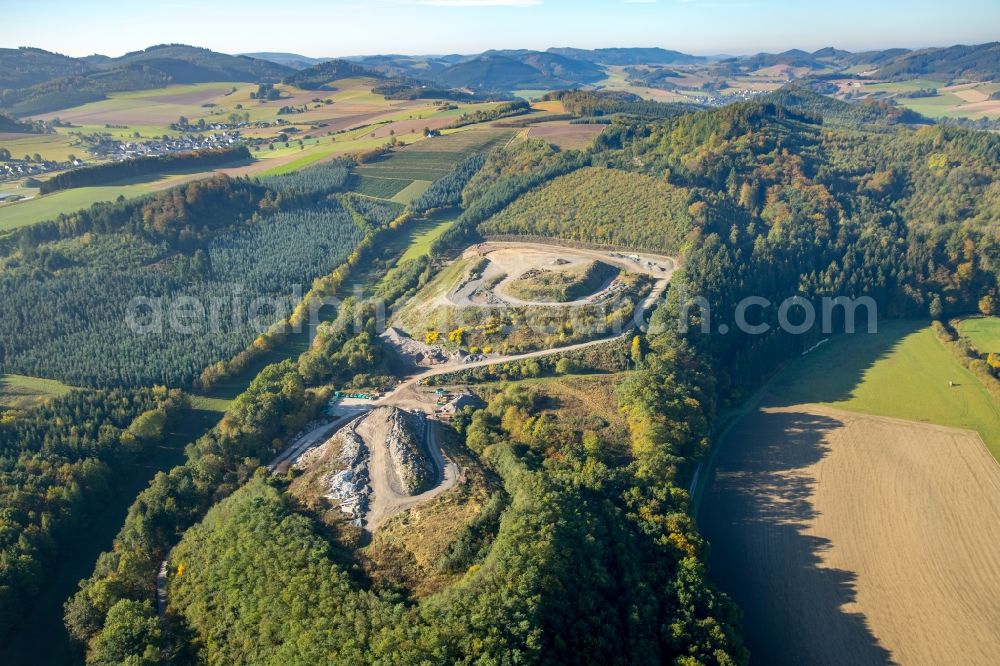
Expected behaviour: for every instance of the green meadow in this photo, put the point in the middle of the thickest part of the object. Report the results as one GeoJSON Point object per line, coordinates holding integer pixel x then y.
{"type": "Point", "coordinates": [984, 333]}
{"type": "Point", "coordinates": [903, 371]}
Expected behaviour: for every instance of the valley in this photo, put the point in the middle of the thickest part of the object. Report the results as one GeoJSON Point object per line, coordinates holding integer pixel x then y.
{"type": "Point", "coordinates": [554, 355]}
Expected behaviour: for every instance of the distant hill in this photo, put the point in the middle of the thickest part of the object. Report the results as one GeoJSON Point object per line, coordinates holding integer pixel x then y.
{"type": "Point", "coordinates": [50, 81]}
{"type": "Point", "coordinates": [837, 112]}
{"type": "Point", "coordinates": [34, 81]}
{"type": "Point", "coordinates": [976, 63]}
{"type": "Point", "coordinates": [190, 64]}
{"type": "Point", "coordinates": [24, 67]}
{"type": "Point", "coordinates": [318, 76]}
{"type": "Point", "coordinates": [630, 56]}
{"type": "Point", "coordinates": [412, 66]}
{"type": "Point", "coordinates": [293, 60]}
{"type": "Point", "coordinates": [509, 70]}
{"type": "Point", "coordinates": [875, 58]}
{"type": "Point", "coordinates": [790, 58]}
{"type": "Point", "coordinates": [495, 71]}
{"type": "Point", "coordinates": [830, 52]}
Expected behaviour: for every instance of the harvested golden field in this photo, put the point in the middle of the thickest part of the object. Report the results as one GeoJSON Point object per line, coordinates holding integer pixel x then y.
{"type": "Point", "coordinates": [856, 539]}
{"type": "Point", "coordinates": [565, 135]}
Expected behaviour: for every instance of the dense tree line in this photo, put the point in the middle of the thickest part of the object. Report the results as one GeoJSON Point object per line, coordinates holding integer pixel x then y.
{"type": "Point", "coordinates": [182, 217]}
{"type": "Point", "coordinates": [980, 62]}
{"type": "Point", "coordinates": [378, 214]}
{"type": "Point", "coordinates": [224, 242]}
{"type": "Point", "coordinates": [516, 171]}
{"type": "Point", "coordinates": [607, 103]}
{"type": "Point", "coordinates": [59, 464]}
{"type": "Point", "coordinates": [447, 190]}
{"type": "Point", "coordinates": [319, 76]}
{"type": "Point", "coordinates": [274, 406]}
{"type": "Point", "coordinates": [906, 217]}
{"type": "Point", "coordinates": [835, 112]}
{"type": "Point", "coordinates": [502, 110]}
{"type": "Point", "coordinates": [605, 206]}
{"type": "Point", "coordinates": [406, 88]}
{"type": "Point", "coordinates": [8, 124]}
{"type": "Point", "coordinates": [317, 180]}
{"type": "Point", "coordinates": [102, 174]}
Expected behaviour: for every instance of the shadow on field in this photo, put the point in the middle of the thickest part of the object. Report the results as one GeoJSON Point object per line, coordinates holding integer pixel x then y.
{"type": "Point", "coordinates": [754, 513]}
{"type": "Point", "coordinates": [835, 369]}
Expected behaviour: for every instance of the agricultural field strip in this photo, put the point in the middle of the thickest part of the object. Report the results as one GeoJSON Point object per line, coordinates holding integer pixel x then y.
{"type": "Point", "coordinates": [905, 511]}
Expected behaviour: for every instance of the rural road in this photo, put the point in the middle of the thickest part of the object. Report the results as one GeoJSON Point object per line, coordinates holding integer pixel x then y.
{"type": "Point", "coordinates": [304, 442]}
{"type": "Point", "coordinates": [161, 590]}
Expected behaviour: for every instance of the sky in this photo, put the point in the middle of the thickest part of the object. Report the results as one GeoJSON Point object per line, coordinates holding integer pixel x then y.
{"type": "Point", "coordinates": [357, 27]}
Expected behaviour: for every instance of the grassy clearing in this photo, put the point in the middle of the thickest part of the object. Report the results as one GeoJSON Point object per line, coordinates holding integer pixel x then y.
{"type": "Point", "coordinates": [411, 191]}
{"type": "Point", "coordinates": [581, 402]}
{"type": "Point", "coordinates": [416, 238]}
{"type": "Point", "coordinates": [946, 104]}
{"type": "Point", "coordinates": [531, 94]}
{"type": "Point", "coordinates": [984, 333]}
{"type": "Point", "coordinates": [904, 86]}
{"type": "Point", "coordinates": [426, 232]}
{"type": "Point", "coordinates": [206, 403]}
{"type": "Point", "coordinates": [48, 207]}
{"type": "Point", "coordinates": [903, 371]}
{"type": "Point", "coordinates": [20, 392]}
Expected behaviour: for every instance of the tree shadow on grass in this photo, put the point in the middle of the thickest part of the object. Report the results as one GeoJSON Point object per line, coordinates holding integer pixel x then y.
{"type": "Point", "coordinates": [755, 512]}
{"type": "Point", "coordinates": [831, 372]}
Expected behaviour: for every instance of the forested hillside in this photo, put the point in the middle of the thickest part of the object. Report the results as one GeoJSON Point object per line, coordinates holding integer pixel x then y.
{"type": "Point", "coordinates": [978, 63]}
{"type": "Point", "coordinates": [59, 464]}
{"type": "Point", "coordinates": [790, 207]}
{"type": "Point", "coordinates": [592, 556]}
{"type": "Point", "coordinates": [576, 571]}
{"type": "Point", "coordinates": [36, 81]}
{"type": "Point", "coordinates": [604, 206]}
{"type": "Point", "coordinates": [832, 111]}
{"type": "Point", "coordinates": [224, 243]}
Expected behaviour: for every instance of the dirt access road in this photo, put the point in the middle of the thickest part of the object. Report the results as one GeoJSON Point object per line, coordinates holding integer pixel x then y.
{"type": "Point", "coordinates": [407, 395]}
{"type": "Point", "coordinates": [856, 539]}
{"type": "Point", "coordinates": [508, 260]}
{"type": "Point", "coordinates": [386, 502]}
